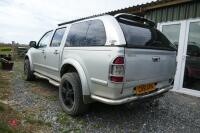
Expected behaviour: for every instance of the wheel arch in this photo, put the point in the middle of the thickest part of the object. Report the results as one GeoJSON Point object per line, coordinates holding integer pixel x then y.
{"type": "Point", "coordinates": [71, 65]}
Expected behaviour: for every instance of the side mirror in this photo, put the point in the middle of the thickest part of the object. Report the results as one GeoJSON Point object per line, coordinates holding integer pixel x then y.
{"type": "Point", "coordinates": [33, 44]}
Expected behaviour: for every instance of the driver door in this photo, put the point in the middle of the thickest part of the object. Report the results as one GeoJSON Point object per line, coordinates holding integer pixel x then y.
{"type": "Point", "coordinates": [39, 54]}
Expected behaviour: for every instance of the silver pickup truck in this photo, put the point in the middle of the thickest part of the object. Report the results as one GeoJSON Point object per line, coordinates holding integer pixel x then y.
{"type": "Point", "coordinates": [111, 59]}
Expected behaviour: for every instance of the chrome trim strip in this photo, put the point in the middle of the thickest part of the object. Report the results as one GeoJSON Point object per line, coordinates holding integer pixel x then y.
{"type": "Point", "coordinates": [129, 99]}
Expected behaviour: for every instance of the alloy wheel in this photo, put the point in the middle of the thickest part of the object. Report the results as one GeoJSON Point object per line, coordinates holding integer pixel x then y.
{"type": "Point", "coordinates": [68, 94]}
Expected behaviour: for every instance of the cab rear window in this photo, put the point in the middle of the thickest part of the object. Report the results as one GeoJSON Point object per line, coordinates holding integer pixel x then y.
{"type": "Point", "coordinates": [86, 34]}
{"type": "Point", "coordinates": [139, 35]}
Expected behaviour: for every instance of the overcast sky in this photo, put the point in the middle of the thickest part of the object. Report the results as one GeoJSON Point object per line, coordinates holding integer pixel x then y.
{"type": "Point", "coordinates": [25, 20]}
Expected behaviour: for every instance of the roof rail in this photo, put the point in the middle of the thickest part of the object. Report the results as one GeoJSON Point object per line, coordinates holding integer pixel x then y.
{"type": "Point", "coordinates": [134, 18]}
{"type": "Point", "coordinates": [117, 16]}
{"type": "Point", "coordinates": [76, 20]}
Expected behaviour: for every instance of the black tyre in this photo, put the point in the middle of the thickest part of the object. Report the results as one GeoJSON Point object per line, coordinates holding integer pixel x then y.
{"type": "Point", "coordinates": [27, 71]}
{"type": "Point", "coordinates": [70, 94]}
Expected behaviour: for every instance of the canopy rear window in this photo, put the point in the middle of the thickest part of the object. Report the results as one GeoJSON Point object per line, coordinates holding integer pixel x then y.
{"type": "Point", "coordinates": [139, 35]}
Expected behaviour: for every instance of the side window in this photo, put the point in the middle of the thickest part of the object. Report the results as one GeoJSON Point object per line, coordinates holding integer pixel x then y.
{"type": "Point", "coordinates": [57, 37]}
{"type": "Point", "coordinates": [77, 34]}
{"type": "Point", "coordinates": [45, 40]}
{"type": "Point", "coordinates": [96, 35]}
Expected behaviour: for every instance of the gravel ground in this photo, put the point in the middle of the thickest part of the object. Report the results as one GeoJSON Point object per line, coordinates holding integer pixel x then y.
{"type": "Point", "coordinates": [172, 113]}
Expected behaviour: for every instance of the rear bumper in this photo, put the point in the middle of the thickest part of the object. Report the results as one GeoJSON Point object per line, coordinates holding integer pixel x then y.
{"type": "Point", "coordinates": [129, 99]}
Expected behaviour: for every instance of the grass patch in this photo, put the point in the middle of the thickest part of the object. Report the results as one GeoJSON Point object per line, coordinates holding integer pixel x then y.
{"type": "Point", "coordinates": [5, 78]}
{"type": "Point", "coordinates": [6, 50]}
{"type": "Point", "coordinates": [30, 125]}
{"type": "Point", "coordinates": [2, 109]}
{"type": "Point", "coordinates": [96, 126]}
{"type": "Point", "coordinates": [37, 122]}
{"type": "Point", "coordinates": [63, 118]}
{"type": "Point", "coordinates": [8, 115]}
{"type": "Point", "coordinates": [18, 69]}
{"type": "Point", "coordinates": [66, 119]}
{"type": "Point", "coordinates": [52, 98]}
{"type": "Point", "coordinates": [4, 128]}
{"type": "Point", "coordinates": [73, 122]}
{"type": "Point", "coordinates": [72, 131]}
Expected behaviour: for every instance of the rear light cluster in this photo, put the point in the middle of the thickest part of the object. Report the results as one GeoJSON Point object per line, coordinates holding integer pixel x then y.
{"type": "Point", "coordinates": [117, 70]}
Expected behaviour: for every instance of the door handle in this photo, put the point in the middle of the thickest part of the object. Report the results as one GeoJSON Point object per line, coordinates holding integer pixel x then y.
{"type": "Point", "coordinates": [156, 59]}
{"type": "Point", "coordinates": [43, 51]}
{"type": "Point", "coordinates": [56, 52]}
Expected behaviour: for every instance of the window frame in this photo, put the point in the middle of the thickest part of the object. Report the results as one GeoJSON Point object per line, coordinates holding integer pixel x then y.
{"type": "Point", "coordinates": [42, 38]}
{"type": "Point", "coordinates": [50, 45]}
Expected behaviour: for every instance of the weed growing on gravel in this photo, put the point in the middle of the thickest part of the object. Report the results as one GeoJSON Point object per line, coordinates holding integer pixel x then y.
{"type": "Point", "coordinates": [63, 118]}
{"type": "Point", "coordinates": [1, 108]}
{"type": "Point", "coordinates": [52, 98]}
{"type": "Point", "coordinates": [18, 69]}
{"type": "Point", "coordinates": [5, 84]}
{"type": "Point", "coordinates": [33, 121]}
{"type": "Point", "coordinates": [81, 121]}
{"type": "Point", "coordinates": [71, 124]}
{"type": "Point", "coordinates": [9, 120]}
{"type": "Point", "coordinates": [12, 121]}
{"type": "Point", "coordinates": [96, 126]}
{"type": "Point", "coordinates": [4, 128]}
{"type": "Point", "coordinates": [72, 131]}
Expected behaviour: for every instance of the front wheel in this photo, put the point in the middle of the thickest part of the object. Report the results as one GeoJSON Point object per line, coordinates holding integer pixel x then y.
{"type": "Point", "coordinates": [27, 71]}
{"type": "Point", "coordinates": [70, 94]}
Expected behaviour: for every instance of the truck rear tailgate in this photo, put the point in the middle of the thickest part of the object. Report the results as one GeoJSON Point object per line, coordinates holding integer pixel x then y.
{"type": "Point", "coordinates": [145, 64]}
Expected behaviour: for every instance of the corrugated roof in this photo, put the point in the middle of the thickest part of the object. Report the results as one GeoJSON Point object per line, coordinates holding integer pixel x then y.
{"type": "Point", "coordinates": [148, 6]}
{"type": "Point", "coordinates": [141, 8]}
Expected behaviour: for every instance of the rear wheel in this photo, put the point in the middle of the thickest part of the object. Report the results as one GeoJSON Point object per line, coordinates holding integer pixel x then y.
{"type": "Point", "coordinates": [27, 71]}
{"type": "Point", "coordinates": [70, 94]}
